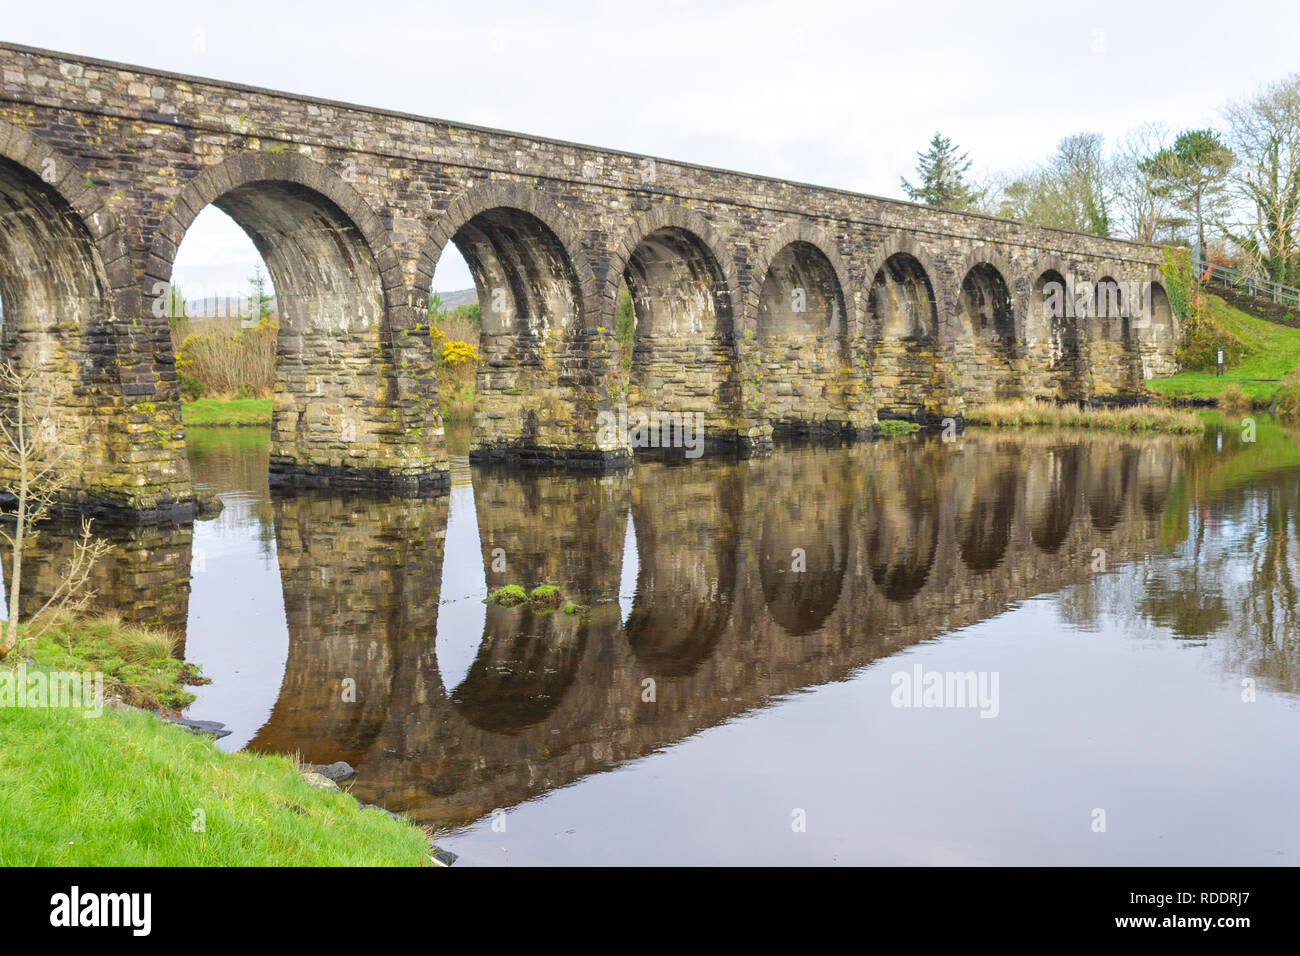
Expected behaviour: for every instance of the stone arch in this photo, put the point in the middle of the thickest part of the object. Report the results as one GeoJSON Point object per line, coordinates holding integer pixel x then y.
{"type": "Point", "coordinates": [989, 324]}
{"type": "Point", "coordinates": [684, 293]}
{"type": "Point", "coordinates": [892, 246]}
{"type": "Point", "coordinates": [540, 311]}
{"type": "Point", "coordinates": [789, 234]}
{"type": "Point", "coordinates": [669, 216]}
{"type": "Point", "coordinates": [65, 284]}
{"type": "Point", "coordinates": [993, 258]}
{"type": "Point", "coordinates": [275, 170]}
{"type": "Point", "coordinates": [1054, 334]}
{"type": "Point", "coordinates": [1035, 330]}
{"type": "Point", "coordinates": [1114, 361]}
{"type": "Point", "coordinates": [503, 201]}
{"type": "Point", "coordinates": [904, 321]}
{"type": "Point", "coordinates": [799, 328]}
{"type": "Point", "coordinates": [1157, 327]}
{"type": "Point", "coordinates": [340, 298]}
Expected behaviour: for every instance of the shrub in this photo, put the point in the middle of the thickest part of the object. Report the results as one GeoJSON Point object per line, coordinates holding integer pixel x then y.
{"type": "Point", "coordinates": [1233, 399]}
{"type": "Point", "coordinates": [191, 387]}
{"type": "Point", "coordinates": [226, 361]}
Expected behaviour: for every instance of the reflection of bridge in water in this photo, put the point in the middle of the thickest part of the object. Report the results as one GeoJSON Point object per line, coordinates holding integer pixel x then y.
{"type": "Point", "coordinates": [901, 544]}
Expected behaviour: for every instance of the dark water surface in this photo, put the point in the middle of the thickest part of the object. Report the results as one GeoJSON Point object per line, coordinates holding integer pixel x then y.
{"type": "Point", "coordinates": [1127, 605]}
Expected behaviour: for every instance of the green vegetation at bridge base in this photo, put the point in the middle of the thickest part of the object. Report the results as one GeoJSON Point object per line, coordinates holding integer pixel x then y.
{"type": "Point", "coordinates": [219, 412]}
{"type": "Point", "coordinates": [896, 426]}
{"type": "Point", "coordinates": [116, 786]}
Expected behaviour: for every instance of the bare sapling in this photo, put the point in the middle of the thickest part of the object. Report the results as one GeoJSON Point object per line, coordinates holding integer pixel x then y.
{"type": "Point", "coordinates": [30, 458]}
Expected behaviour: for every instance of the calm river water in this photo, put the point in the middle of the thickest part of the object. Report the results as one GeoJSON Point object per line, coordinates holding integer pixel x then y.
{"type": "Point", "coordinates": [1011, 649]}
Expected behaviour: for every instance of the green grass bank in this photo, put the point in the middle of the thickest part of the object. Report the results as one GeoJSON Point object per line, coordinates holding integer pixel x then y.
{"type": "Point", "coordinates": [124, 788]}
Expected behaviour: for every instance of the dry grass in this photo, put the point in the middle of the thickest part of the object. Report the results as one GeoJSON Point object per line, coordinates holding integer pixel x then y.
{"type": "Point", "coordinates": [1233, 399]}
{"type": "Point", "coordinates": [1287, 399]}
{"type": "Point", "coordinates": [1139, 418]}
{"type": "Point", "coordinates": [225, 358]}
{"type": "Point", "coordinates": [134, 644]}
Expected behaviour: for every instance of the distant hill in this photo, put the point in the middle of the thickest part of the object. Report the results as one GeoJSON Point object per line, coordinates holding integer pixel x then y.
{"type": "Point", "coordinates": [237, 306]}
{"type": "Point", "coordinates": [218, 307]}
{"type": "Point", "coordinates": [452, 300]}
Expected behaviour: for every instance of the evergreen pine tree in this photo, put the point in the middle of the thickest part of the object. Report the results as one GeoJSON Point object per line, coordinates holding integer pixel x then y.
{"type": "Point", "coordinates": [942, 177]}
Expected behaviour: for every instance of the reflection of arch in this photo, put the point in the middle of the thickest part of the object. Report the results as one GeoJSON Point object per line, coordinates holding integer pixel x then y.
{"type": "Point", "coordinates": [686, 570]}
{"type": "Point", "coordinates": [984, 529]}
{"type": "Point", "coordinates": [903, 539]}
{"type": "Point", "coordinates": [361, 580]}
{"type": "Point", "coordinates": [1051, 486]}
{"type": "Point", "coordinates": [801, 601]}
{"type": "Point", "coordinates": [1154, 479]}
{"type": "Point", "coordinates": [1106, 484]}
{"type": "Point", "coordinates": [524, 667]}
{"type": "Point", "coordinates": [514, 239]}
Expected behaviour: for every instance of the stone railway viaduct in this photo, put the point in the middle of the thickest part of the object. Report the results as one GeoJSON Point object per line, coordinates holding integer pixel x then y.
{"type": "Point", "coordinates": [767, 306]}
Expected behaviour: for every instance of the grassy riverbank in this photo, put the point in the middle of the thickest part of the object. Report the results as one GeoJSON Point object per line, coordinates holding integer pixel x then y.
{"type": "Point", "coordinates": [226, 412]}
{"type": "Point", "coordinates": [1265, 354]}
{"type": "Point", "coordinates": [126, 789]}
{"type": "Point", "coordinates": [1139, 418]}
{"type": "Point", "coordinates": [457, 406]}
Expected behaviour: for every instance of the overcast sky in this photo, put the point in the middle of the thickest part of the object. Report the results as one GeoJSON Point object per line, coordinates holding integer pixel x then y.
{"type": "Point", "coordinates": [838, 94]}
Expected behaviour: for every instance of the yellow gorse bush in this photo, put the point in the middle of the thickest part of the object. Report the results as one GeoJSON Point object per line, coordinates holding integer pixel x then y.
{"type": "Point", "coordinates": [456, 354]}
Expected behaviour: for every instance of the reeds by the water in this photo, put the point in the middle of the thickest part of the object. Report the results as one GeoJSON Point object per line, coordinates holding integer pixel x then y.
{"type": "Point", "coordinates": [1136, 418]}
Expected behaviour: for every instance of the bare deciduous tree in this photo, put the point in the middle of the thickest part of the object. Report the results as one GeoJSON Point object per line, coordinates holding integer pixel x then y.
{"type": "Point", "coordinates": [30, 455]}
{"type": "Point", "coordinates": [1265, 135]}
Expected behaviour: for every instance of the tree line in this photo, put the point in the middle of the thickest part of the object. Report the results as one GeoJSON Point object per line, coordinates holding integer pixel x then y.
{"type": "Point", "coordinates": [1233, 191]}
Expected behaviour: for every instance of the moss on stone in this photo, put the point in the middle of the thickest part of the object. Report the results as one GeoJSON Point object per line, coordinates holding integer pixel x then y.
{"type": "Point", "coordinates": [894, 426]}
{"type": "Point", "coordinates": [546, 596]}
{"type": "Point", "coordinates": [512, 595]}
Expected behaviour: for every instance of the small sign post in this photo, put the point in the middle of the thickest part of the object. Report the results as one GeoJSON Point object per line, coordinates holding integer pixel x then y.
{"type": "Point", "coordinates": [1219, 367]}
